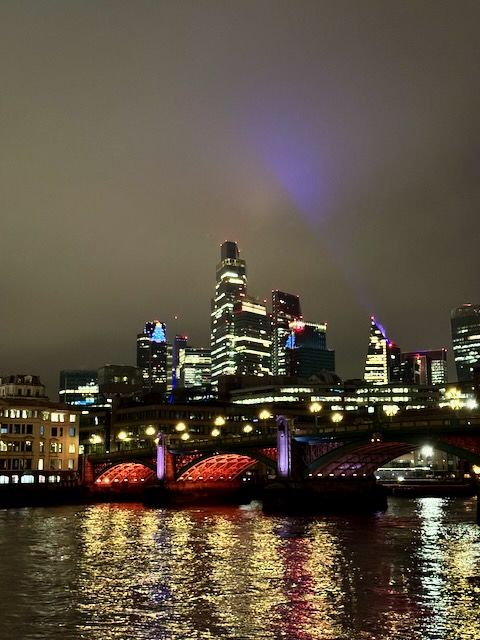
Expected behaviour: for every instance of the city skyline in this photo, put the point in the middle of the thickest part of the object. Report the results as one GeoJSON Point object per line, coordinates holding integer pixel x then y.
{"type": "Point", "coordinates": [307, 136]}
{"type": "Point", "coordinates": [52, 383]}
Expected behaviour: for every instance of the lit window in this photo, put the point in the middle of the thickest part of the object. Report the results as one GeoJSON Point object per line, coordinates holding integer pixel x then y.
{"type": "Point", "coordinates": [71, 448]}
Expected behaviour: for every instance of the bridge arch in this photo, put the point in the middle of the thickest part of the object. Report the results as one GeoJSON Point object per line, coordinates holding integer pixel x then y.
{"type": "Point", "coordinates": [221, 466]}
{"type": "Point", "coordinates": [364, 456]}
{"type": "Point", "coordinates": [125, 473]}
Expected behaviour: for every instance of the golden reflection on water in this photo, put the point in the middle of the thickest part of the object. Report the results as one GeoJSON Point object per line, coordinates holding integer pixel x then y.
{"type": "Point", "coordinates": [450, 571]}
{"type": "Point", "coordinates": [118, 572]}
{"type": "Point", "coordinates": [234, 573]}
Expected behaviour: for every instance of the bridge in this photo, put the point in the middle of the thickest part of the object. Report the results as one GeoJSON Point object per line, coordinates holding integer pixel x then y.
{"type": "Point", "coordinates": [352, 448]}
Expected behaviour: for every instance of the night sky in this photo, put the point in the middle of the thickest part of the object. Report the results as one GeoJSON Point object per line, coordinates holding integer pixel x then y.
{"type": "Point", "coordinates": [336, 142]}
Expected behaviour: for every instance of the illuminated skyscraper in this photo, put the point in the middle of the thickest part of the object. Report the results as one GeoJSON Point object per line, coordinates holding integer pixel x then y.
{"type": "Point", "coordinates": [154, 357]}
{"type": "Point", "coordinates": [195, 367]}
{"type": "Point", "coordinates": [306, 352]}
{"type": "Point", "coordinates": [79, 387]}
{"type": "Point", "coordinates": [231, 286]}
{"type": "Point", "coordinates": [252, 337]}
{"type": "Point", "coordinates": [425, 367]}
{"type": "Point", "coordinates": [285, 310]}
{"type": "Point", "coordinates": [383, 364]}
{"type": "Point", "coordinates": [465, 321]}
{"type": "Point", "coordinates": [178, 351]}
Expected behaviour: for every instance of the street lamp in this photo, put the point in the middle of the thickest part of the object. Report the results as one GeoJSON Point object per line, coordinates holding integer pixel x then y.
{"type": "Point", "coordinates": [315, 407]}
{"type": "Point", "coordinates": [453, 395]}
{"type": "Point", "coordinates": [150, 431]}
{"type": "Point", "coordinates": [180, 426]}
{"type": "Point", "coordinates": [264, 414]}
{"type": "Point", "coordinates": [185, 436]}
{"type": "Point", "coordinates": [122, 435]}
{"type": "Point", "coordinates": [247, 428]}
{"type": "Point", "coordinates": [219, 421]}
{"type": "Point", "coordinates": [391, 410]}
{"type": "Point", "coordinates": [336, 417]}
{"type": "Point", "coordinates": [215, 432]}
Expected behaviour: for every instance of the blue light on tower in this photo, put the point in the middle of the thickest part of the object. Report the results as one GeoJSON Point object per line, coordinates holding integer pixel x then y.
{"type": "Point", "coordinates": [159, 333]}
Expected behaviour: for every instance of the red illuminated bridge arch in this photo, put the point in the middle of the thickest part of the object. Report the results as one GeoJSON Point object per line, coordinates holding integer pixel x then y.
{"type": "Point", "coordinates": [126, 473]}
{"type": "Point", "coordinates": [227, 466]}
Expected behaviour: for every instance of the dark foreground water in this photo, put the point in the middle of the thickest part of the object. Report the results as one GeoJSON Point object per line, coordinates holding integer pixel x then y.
{"type": "Point", "coordinates": [112, 572]}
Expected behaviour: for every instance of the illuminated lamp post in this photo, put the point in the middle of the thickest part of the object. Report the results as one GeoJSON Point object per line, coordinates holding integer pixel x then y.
{"type": "Point", "coordinates": [121, 437]}
{"type": "Point", "coordinates": [315, 408]}
{"type": "Point", "coordinates": [336, 417]}
{"type": "Point", "coordinates": [264, 416]}
{"type": "Point", "coordinates": [391, 410]}
{"type": "Point", "coordinates": [95, 440]}
{"type": "Point", "coordinates": [453, 395]}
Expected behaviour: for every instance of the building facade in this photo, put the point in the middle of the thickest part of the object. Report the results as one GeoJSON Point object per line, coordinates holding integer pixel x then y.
{"type": "Point", "coordinates": [195, 367]}
{"type": "Point", "coordinates": [79, 387]}
{"type": "Point", "coordinates": [383, 364]}
{"type": "Point", "coordinates": [230, 287]}
{"type": "Point", "coordinates": [252, 337]}
{"type": "Point", "coordinates": [306, 352]}
{"type": "Point", "coordinates": [155, 357]}
{"type": "Point", "coordinates": [119, 379]}
{"type": "Point", "coordinates": [285, 310]}
{"type": "Point", "coordinates": [425, 367]}
{"type": "Point", "coordinates": [465, 323]}
{"type": "Point", "coordinates": [39, 439]}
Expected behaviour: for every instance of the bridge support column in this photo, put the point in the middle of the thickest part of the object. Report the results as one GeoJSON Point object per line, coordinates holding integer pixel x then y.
{"type": "Point", "coordinates": [284, 448]}
{"type": "Point", "coordinates": [161, 457]}
{"type": "Point", "coordinates": [87, 473]}
{"type": "Point", "coordinates": [165, 460]}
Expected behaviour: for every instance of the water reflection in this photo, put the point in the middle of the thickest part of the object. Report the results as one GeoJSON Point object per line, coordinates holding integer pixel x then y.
{"type": "Point", "coordinates": [113, 572]}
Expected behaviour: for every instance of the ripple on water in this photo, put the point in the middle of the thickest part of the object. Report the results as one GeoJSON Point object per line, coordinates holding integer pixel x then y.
{"type": "Point", "coordinates": [112, 572]}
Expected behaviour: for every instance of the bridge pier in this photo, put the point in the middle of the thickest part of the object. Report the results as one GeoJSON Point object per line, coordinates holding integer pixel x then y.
{"type": "Point", "coordinates": [284, 448]}
{"type": "Point", "coordinates": [165, 460]}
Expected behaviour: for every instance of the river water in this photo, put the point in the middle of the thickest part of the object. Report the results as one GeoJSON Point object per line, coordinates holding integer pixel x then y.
{"type": "Point", "coordinates": [122, 571]}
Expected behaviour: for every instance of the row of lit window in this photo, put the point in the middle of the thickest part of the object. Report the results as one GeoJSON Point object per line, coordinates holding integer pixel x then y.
{"type": "Point", "coordinates": [27, 429]}
{"type": "Point", "coordinates": [17, 446]}
{"type": "Point", "coordinates": [28, 479]}
{"type": "Point", "coordinates": [34, 413]}
{"type": "Point", "coordinates": [13, 464]}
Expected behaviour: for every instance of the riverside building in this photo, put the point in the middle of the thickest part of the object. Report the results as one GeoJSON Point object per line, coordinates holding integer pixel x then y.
{"type": "Point", "coordinates": [39, 439]}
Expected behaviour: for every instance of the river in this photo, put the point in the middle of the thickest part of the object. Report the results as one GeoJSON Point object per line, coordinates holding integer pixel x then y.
{"type": "Point", "coordinates": [122, 571]}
